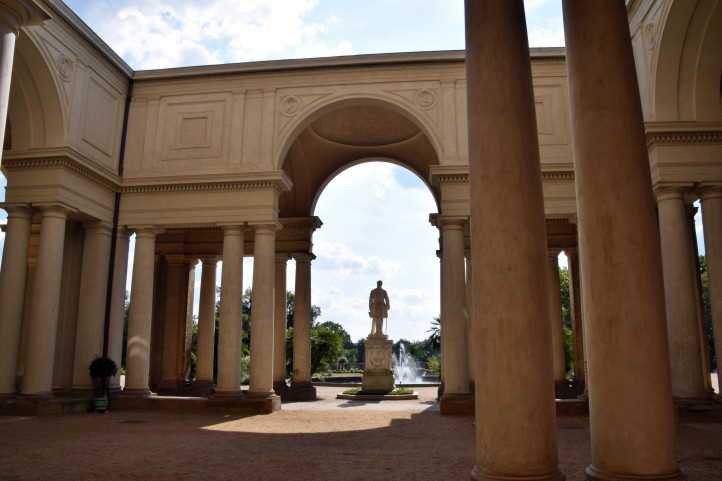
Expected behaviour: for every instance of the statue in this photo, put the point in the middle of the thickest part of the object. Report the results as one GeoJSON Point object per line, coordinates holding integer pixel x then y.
{"type": "Point", "coordinates": [378, 309]}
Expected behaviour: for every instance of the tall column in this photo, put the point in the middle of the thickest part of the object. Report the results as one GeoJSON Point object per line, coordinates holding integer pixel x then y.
{"type": "Point", "coordinates": [175, 300]}
{"type": "Point", "coordinates": [680, 293]}
{"type": "Point", "coordinates": [91, 303]}
{"type": "Point", "coordinates": [140, 315]}
{"type": "Point", "coordinates": [206, 322]}
{"type": "Point", "coordinates": [630, 396]}
{"type": "Point", "coordinates": [469, 340]}
{"type": "Point", "coordinates": [455, 365]}
{"type": "Point", "coordinates": [263, 307]}
{"type": "Point", "coordinates": [13, 276]}
{"type": "Point", "coordinates": [279, 330]}
{"type": "Point", "coordinates": [117, 303]}
{"type": "Point", "coordinates": [13, 15]}
{"type": "Point", "coordinates": [515, 421]}
{"type": "Point", "coordinates": [555, 317]}
{"type": "Point", "coordinates": [40, 356]}
{"type": "Point", "coordinates": [229, 327]}
{"type": "Point", "coordinates": [575, 305]}
{"type": "Point", "coordinates": [712, 222]}
{"type": "Point", "coordinates": [701, 323]}
{"type": "Point", "coordinates": [301, 388]}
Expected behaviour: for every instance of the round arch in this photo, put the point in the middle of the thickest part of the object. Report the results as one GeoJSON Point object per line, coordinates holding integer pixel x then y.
{"type": "Point", "coordinates": [686, 81]}
{"type": "Point", "coordinates": [337, 102]}
{"type": "Point", "coordinates": [36, 112]}
{"type": "Point", "coordinates": [366, 160]}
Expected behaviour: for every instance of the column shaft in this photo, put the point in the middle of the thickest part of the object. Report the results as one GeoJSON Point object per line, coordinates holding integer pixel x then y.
{"type": "Point", "coordinates": [8, 36]}
{"type": "Point", "coordinates": [206, 321]}
{"type": "Point", "coordinates": [515, 416]}
{"type": "Point", "coordinates": [555, 317]}
{"type": "Point", "coordinates": [712, 222]}
{"type": "Point", "coordinates": [40, 355]}
{"type": "Point", "coordinates": [453, 321]}
{"type": "Point", "coordinates": [117, 303]}
{"type": "Point", "coordinates": [140, 315]}
{"type": "Point", "coordinates": [12, 293]}
{"type": "Point", "coordinates": [469, 340]}
{"type": "Point", "coordinates": [262, 324]}
{"type": "Point", "coordinates": [632, 433]}
{"type": "Point", "coordinates": [302, 320]}
{"type": "Point", "coordinates": [91, 303]}
{"type": "Point", "coordinates": [680, 292]}
{"type": "Point", "coordinates": [279, 319]}
{"type": "Point", "coordinates": [174, 321]}
{"type": "Point", "coordinates": [229, 327]}
{"type": "Point", "coordinates": [575, 305]}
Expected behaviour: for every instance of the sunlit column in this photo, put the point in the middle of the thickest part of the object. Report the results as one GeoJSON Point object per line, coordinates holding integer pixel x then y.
{"type": "Point", "coordinates": [206, 321]}
{"type": "Point", "coordinates": [13, 275]}
{"type": "Point", "coordinates": [262, 324]}
{"type": "Point", "coordinates": [680, 292]}
{"type": "Point", "coordinates": [455, 367]}
{"type": "Point", "coordinates": [117, 303]}
{"type": "Point", "coordinates": [229, 327]}
{"type": "Point", "coordinates": [301, 388]}
{"type": "Point", "coordinates": [40, 355]}
{"type": "Point", "coordinates": [555, 316]}
{"type": "Point", "coordinates": [515, 413]}
{"type": "Point", "coordinates": [140, 314]}
{"type": "Point", "coordinates": [279, 319]}
{"type": "Point", "coordinates": [630, 394]}
{"type": "Point", "coordinates": [91, 303]}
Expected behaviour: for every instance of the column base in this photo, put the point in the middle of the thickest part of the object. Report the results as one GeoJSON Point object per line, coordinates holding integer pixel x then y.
{"type": "Point", "coordinates": [135, 393]}
{"type": "Point", "coordinates": [302, 391]}
{"type": "Point", "coordinates": [457, 404]}
{"type": "Point", "coordinates": [235, 394]}
{"type": "Point", "coordinates": [201, 388]}
{"type": "Point", "coordinates": [477, 474]}
{"type": "Point", "coordinates": [280, 387]}
{"type": "Point", "coordinates": [594, 474]}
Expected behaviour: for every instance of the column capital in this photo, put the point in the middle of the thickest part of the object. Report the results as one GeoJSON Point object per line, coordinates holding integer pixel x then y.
{"type": "Point", "coordinates": [553, 252]}
{"type": "Point", "coordinates": [57, 210]}
{"type": "Point", "coordinates": [671, 191]}
{"type": "Point", "coordinates": [710, 191]}
{"type": "Point", "coordinates": [209, 260]}
{"type": "Point", "coordinates": [571, 251]}
{"type": "Point", "coordinates": [98, 228]}
{"type": "Point", "coordinates": [303, 257]}
{"type": "Point", "coordinates": [178, 259]}
{"type": "Point", "coordinates": [282, 257]}
{"type": "Point", "coordinates": [23, 211]}
{"type": "Point", "coordinates": [266, 226]}
{"type": "Point", "coordinates": [145, 231]}
{"type": "Point", "coordinates": [19, 13]}
{"type": "Point", "coordinates": [232, 229]}
{"type": "Point", "coordinates": [444, 222]}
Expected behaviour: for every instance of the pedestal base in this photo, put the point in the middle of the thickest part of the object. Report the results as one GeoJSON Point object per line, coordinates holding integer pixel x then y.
{"type": "Point", "coordinates": [593, 474]}
{"type": "Point", "coordinates": [280, 387]}
{"type": "Point", "coordinates": [300, 392]}
{"type": "Point", "coordinates": [477, 474]}
{"type": "Point", "coordinates": [378, 378]}
{"type": "Point", "coordinates": [135, 393]}
{"type": "Point", "coordinates": [457, 405]}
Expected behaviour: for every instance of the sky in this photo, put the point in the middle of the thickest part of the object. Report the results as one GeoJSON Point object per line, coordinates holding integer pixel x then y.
{"type": "Point", "coordinates": [375, 215]}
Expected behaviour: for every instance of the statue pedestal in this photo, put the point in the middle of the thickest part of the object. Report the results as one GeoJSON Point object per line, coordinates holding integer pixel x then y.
{"type": "Point", "coordinates": [378, 377]}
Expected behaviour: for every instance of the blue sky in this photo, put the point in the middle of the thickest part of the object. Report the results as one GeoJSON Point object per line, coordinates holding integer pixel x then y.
{"type": "Point", "coordinates": [375, 215]}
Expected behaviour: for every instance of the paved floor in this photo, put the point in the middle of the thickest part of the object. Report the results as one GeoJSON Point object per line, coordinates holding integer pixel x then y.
{"type": "Point", "coordinates": [326, 440]}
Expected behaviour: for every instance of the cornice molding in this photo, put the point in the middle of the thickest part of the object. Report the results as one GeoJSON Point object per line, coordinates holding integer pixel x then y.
{"type": "Point", "coordinates": [683, 133]}
{"type": "Point", "coordinates": [277, 185]}
{"type": "Point", "coordinates": [26, 163]}
{"type": "Point", "coordinates": [463, 177]}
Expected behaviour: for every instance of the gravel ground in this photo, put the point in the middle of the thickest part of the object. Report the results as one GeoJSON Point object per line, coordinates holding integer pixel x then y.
{"type": "Point", "coordinates": [326, 440]}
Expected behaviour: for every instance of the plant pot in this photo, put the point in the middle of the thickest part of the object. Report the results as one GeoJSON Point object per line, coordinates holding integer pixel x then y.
{"type": "Point", "coordinates": [100, 404]}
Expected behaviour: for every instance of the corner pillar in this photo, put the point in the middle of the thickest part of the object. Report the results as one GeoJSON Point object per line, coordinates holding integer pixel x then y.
{"type": "Point", "coordinates": [279, 330]}
{"type": "Point", "coordinates": [301, 388]}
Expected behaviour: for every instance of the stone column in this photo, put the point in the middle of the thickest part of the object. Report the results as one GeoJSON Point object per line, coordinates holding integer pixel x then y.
{"type": "Point", "coordinates": [13, 276]}
{"type": "Point", "coordinates": [262, 311]}
{"type": "Point", "coordinates": [117, 303]}
{"type": "Point", "coordinates": [712, 222]}
{"type": "Point", "coordinates": [301, 388]}
{"type": "Point", "coordinates": [680, 293]}
{"type": "Point", "coordinates": [515, 420]}
{"type": "Point", "coordinates": [555, 318]}
{"type": "Point", "coordinates": [13, 15]}
{"type": "Point", "coordinates": [175, 301]}
{"type": "Point", "coordinates": [91, 303]}
{"type": "Point", "coordinates": [575, 305]}
{"type": "Point", "coordinates": [701, 323]}
{"type": "Point", "coordinates": [630, 394]}
{"type": "Point", "coordinates": [279, 330]}
{"type": "Point", "coordinates": [140, 314]}
{"type": "Point", "coordinates": [455, 366]}
{"type": "Point", "coordinates": [206, 323]}
{"type": "Point", "coordinates": [40, 355]}
{"type": "Point", "coordinates": [229, 327]}
{"type": "Point", "coordinates": [469, 341]}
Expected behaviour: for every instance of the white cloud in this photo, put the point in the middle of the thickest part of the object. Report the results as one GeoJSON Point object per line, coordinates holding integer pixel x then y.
{"type": "Point", "coordinates": [159, 34]}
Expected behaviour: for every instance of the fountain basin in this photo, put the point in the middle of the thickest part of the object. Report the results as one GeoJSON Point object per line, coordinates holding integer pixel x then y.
{"type": "Point", "coordinates": [398, 394]}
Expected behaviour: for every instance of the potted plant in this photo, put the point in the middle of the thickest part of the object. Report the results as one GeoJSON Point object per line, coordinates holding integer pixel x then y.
{"type": "Point", "coordinates": [101, 370]}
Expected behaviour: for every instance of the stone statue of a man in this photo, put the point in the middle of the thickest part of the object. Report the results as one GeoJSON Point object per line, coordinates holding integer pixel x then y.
{"type": "Point", "coordinates": [378, 309]}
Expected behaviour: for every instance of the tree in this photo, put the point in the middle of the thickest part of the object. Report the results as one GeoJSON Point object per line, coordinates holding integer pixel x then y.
{"type": "Point", "coordinates": [434, 340]}
{"type": "Point", "coordinates": [707, 311]}
{"type": "Point", "coordinates": [326, 347]}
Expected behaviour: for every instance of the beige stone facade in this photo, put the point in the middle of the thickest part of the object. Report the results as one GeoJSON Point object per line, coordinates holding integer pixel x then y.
{"type": "Point", "coordinates": [221, 162]}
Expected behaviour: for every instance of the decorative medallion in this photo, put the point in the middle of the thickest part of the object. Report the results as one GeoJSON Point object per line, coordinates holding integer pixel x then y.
{"type": "Point", "coordinates": [425, 99]}
{"type": "Point", "coordinates": [291, 105]}
{"type": "Point", "coordinates": [66, 68]}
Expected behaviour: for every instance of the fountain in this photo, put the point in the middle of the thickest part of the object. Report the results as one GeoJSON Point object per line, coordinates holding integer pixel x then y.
{"type": "Point", "coordinates": [405, 368]}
